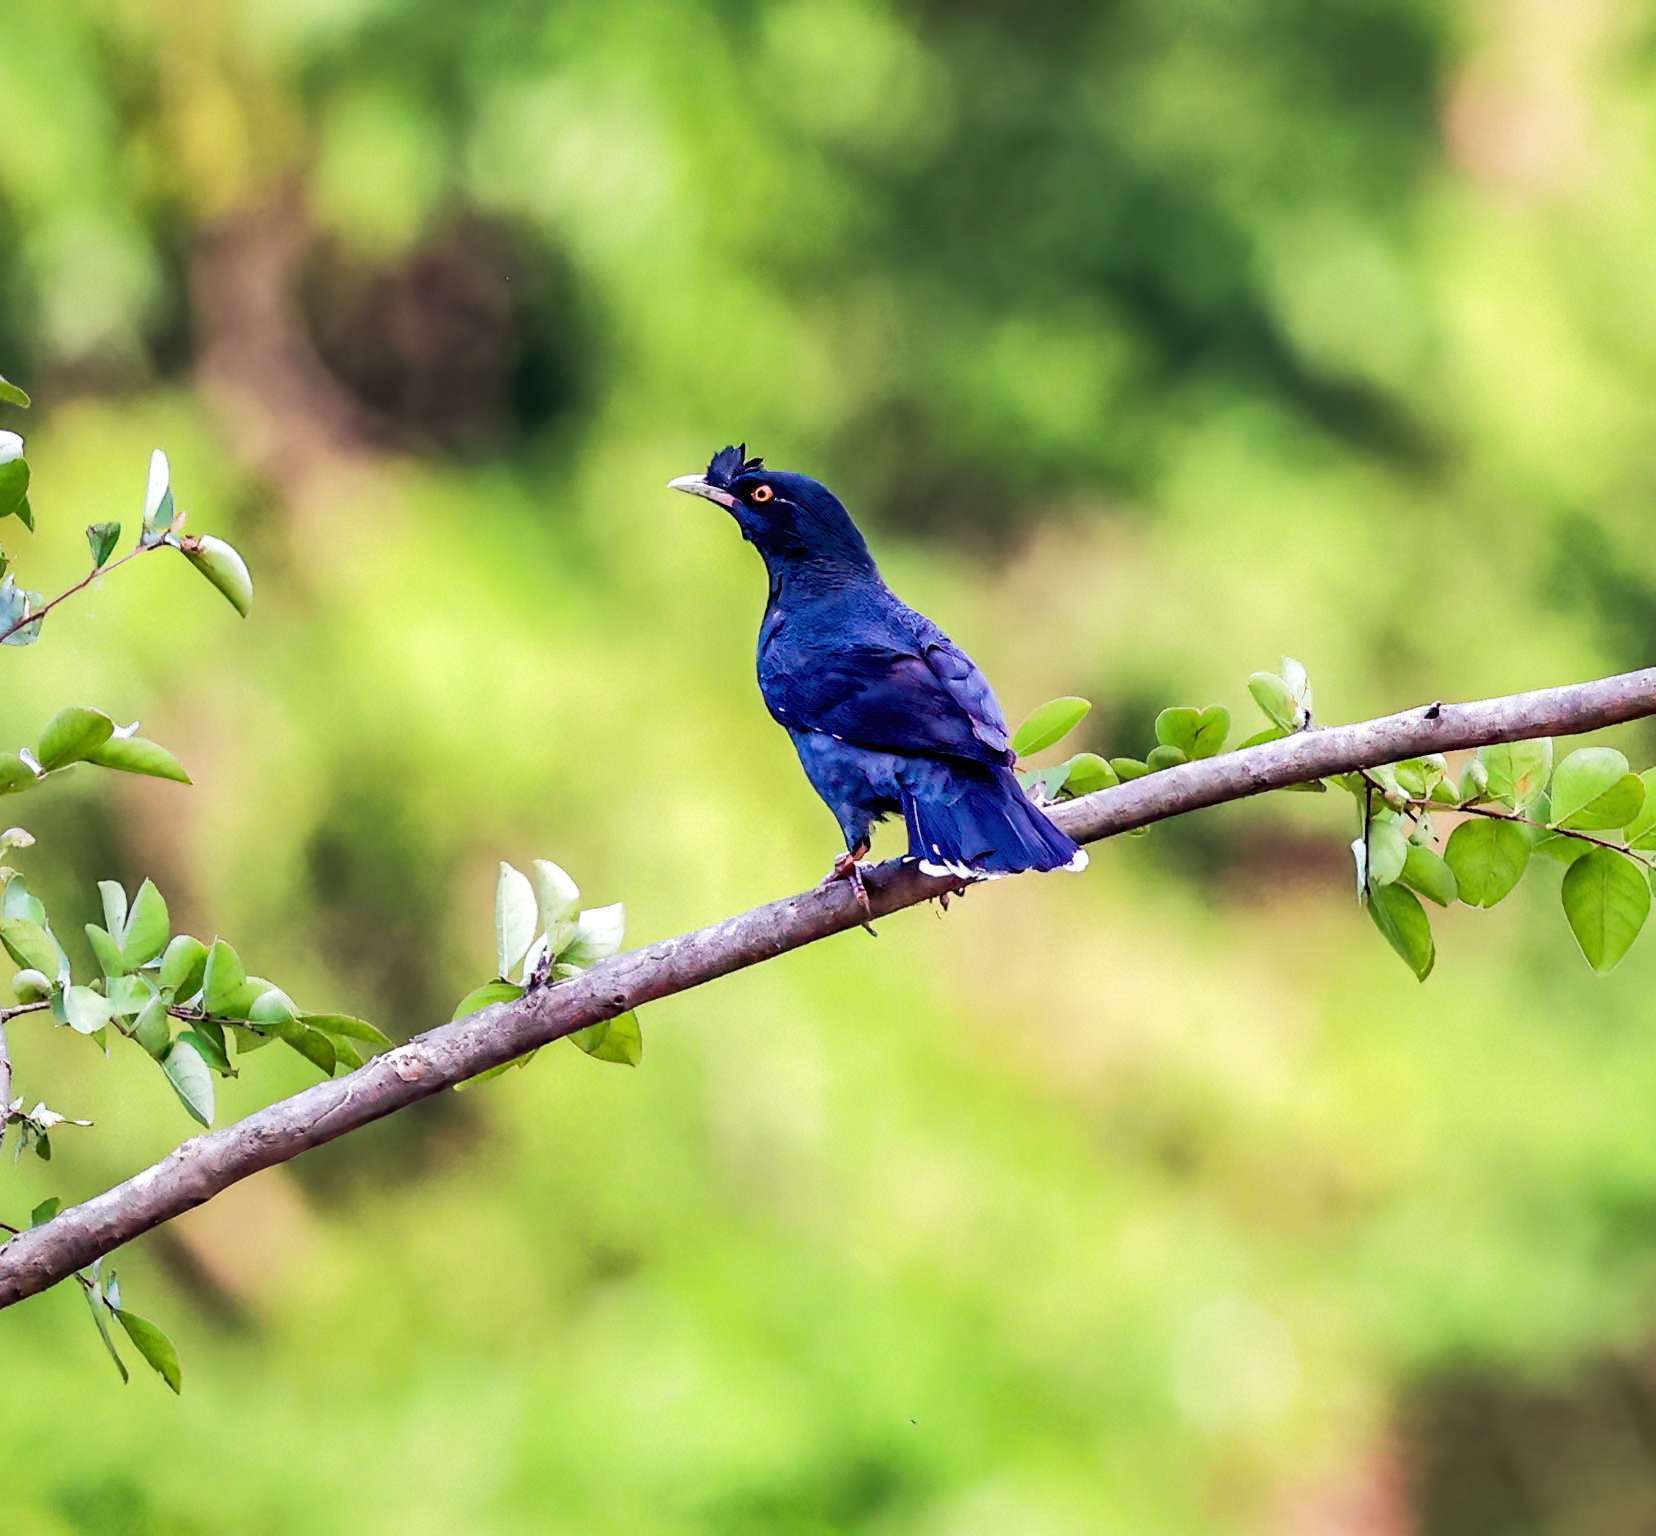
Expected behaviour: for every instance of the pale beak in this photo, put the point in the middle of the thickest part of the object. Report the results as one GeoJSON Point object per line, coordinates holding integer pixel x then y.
{"type": "Point", "coordinates": [694, 485]}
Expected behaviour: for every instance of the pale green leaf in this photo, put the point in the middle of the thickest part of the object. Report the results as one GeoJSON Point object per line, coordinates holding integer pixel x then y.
{"type": "Point", "coordinates": [85, 1010]}
{"type": "Point", "coordinates": [224, 567]}
{"type": "Point", "coordinates": [191, 1078]}
{"type": "Point", "coordinates": [516, 913]}
{"type": "Point", "coordinates": [1518, 771]}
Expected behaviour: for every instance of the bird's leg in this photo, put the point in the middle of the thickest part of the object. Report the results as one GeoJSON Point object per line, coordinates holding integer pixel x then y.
{"type": "Point", "coordinates": [846, 867]}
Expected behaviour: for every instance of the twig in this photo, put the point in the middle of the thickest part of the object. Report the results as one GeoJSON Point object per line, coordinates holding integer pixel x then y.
{"type": "Point", "coordinates": [79, 586]}
{"type": "Point", "coordinates": [208, 1164]}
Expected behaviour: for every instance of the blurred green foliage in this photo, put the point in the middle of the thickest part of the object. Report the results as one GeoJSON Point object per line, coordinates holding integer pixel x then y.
{"type": "Point", "coordinates": [1149, 340]}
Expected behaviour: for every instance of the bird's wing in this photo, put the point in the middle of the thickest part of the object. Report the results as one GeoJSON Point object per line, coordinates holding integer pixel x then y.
{"type": "Point", "coordinates": [929, 700]}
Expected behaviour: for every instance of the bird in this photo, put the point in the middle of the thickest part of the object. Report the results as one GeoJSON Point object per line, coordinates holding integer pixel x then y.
{"type": "Point", "coordinates": [888, 715]}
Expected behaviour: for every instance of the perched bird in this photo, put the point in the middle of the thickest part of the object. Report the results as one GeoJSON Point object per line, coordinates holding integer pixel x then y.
{"type": "Point", "coordinates": [888, 715]}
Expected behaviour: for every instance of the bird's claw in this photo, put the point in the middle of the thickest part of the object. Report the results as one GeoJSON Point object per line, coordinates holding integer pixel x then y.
{"type": "Point", "coordinates": [846, 867]}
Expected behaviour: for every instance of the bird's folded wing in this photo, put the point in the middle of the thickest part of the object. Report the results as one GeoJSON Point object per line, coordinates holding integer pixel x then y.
{"type": "Point", "coordinates": [931, 703]}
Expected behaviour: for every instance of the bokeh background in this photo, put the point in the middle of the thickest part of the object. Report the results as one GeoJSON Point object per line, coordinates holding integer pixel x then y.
{"type": "Point", "coordinates": [1149, 339]}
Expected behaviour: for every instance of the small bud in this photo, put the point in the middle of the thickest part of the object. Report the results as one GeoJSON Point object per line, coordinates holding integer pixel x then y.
{"type": "Point", "coordinates": [11, 447]}
{"type": "Point", "coordinates": [31, 986]}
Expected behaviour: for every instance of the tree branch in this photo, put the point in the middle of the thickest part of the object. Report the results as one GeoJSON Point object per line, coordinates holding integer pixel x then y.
{"type": "Point", "coordinates": [206, 1165]}
{"type": "Point", "coordinates": [80, 586]}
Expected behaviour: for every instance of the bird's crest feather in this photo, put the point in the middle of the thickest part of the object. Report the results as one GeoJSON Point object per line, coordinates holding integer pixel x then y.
{"type": "Point", "coordinates": [729, 463]}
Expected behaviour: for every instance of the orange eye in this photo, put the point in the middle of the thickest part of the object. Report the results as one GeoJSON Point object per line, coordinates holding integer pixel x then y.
{"type": "Point", "coordinates": [762, 493]}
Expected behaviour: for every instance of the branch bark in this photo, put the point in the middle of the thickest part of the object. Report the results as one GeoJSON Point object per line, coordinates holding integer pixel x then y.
{"type": "Point", "coordinates": [206, 1165]}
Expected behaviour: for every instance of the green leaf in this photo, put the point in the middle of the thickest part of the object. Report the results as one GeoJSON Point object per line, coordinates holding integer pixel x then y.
{"type": "Point", "coordinates": [133, 754]}
{"type": "Point", "coordinates": [556, 894]}
{"type": "Point", "coordinates": [1561, 849]}
{"type": "Point", "coordinates": [1047, 783]}
{"type": "Point", "coordinates": [1518, 771]}
{"type": "Point", "coordinates": [249, 1040]}
{"type": "Point", "coordinates": [1606, 901]}
{"type": "Point", "coordinates": [156, 1348]}
{"type": "Point", "coordinates": [1163, 757]}
{"type": "Point", "coordinates": [183, 966]}
{"type": "Point", "coordinates": [618, 1039]}
{"type": "Point", "coordinates": [351, 1029]}
{"type": "Point", "coordinates": [1488, 858]}
{"type": "Point", "coordinates": [1401, 918]}
{"type": "Point", "coordinates": [515, 916]}
{"type": "Point", "coordinates": [191, 1078]}
{"type": "Point", "coordinates": [71, 734]}
{"type": "Point", "coordinates": [223, 978]}
{"type": "Point", "coordinates": [10, 394]}
{"type": "Point", "coordinates": [490, 992]}
{"type": "Point", "coordinates": [1272, 695]}
{"type": "Point", "coordinates": [94, 1299]}
{"type": "Point", "coordinates": [1640, 832]}
{"type": "Point", "coordinates": [45, 1211]}
{"type": "Point", "coordinates": [222, 566]}
{"type": "Point", "coordinates": [15, 901]}
{"type": "Point", "coordinates": [114, 898]}
{"type": "Point", "coordinates": [1585, 776]}
{"type": "Point", "coordinates": [271, 1008]}
{"type": "Point", "coordinates": [30, 986]}
{"type": "Point", "coordinates": [147, 927]}
{"type": "Point", "coordinates": [1195, 732]}
{"type": "Point", "coordinates": [15, 606]}
{"type": "Point", "coordinates": [1260, 738]}
{"type": "Point", "coordinates": [1129, 768]}
{"type": "Point", "coordinates": [210, 1050]}
{"type": "Point", "coordinates": [1053, 721]}
{"type": "Point", "coordinates": [15, 774]}
{"type": "Point", "coordinates": [30, 945]}
{"type": "Point", "coordinates": [153, 1029]}
{"type": "Point", "coordinates": [87, 1011]}
{"type": "Point", "coordinates": [105, 951]}
{"type": "Point", "coordinates": [492, 1072]}
{"type": "Point", "coordinates": [347, 1054]}
{"type": "Point", "coordinates": [314, 1046]}
{"type": "Point", "coordinates": [1088, 773]}
{"type": "Point", "coordinates": [159, 511]}
{"type": "Point", "coordinates": [1388, 851]}
{"type": "Point", "coordinates": [128, 994]}
{"type": "Point", "coordinates": [102, 538]}
{"type": "Point", "coordinates": [1444, 792]}
{"type": "Point", "coordinates": [1618, 805]}
{"type": "Point", "coordinates": [14, 483]}
{"type": "Point", "coordinates": [598, 935]}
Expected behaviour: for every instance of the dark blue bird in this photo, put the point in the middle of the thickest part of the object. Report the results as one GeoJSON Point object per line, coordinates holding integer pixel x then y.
{"type": "Point", "coordinates": [888, 715]}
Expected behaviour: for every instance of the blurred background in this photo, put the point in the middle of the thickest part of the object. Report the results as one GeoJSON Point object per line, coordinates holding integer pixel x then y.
{"type": "Point", "coordinates": [1148, 339]}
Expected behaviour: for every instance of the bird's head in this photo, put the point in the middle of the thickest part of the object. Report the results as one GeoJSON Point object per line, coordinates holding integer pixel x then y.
{"type": "Point", "coordinates": [788, 518]}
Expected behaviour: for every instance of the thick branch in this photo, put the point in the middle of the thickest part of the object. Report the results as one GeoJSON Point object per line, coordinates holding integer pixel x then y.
{"type": "Point", "coordinates": [440, 1058]}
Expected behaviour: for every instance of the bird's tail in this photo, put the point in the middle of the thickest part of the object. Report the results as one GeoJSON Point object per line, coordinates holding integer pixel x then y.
{"type": "Point", "coordinates": [971, 821]}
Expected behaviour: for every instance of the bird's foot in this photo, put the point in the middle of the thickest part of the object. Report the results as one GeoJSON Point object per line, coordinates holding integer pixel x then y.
{"type": "Point", "coordinates": [847, 867]}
